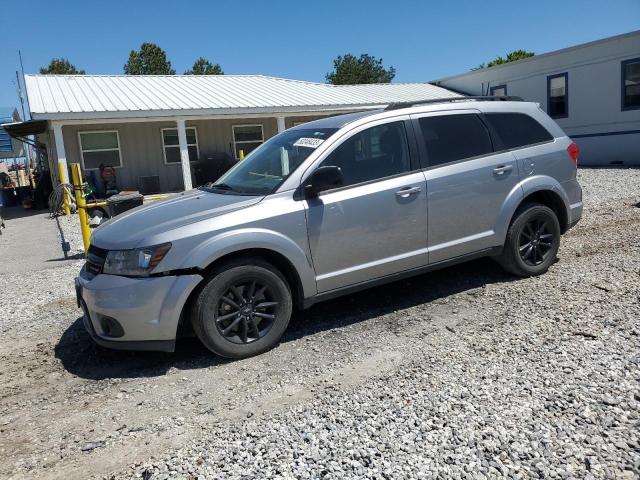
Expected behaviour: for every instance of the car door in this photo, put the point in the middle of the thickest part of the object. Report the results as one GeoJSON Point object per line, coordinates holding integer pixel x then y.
{"type": "Point", "coordinates": [467, 182]}
{"type": "Point", "coordinates": [374, 225]}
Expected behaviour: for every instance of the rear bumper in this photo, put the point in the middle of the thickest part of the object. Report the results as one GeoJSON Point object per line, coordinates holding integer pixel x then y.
{"type": "Point", "coordinates": [145, 310]}
{"type": "Point", "coordinates": [573, 192]}
{"type": "Point", "coordinates": [575, 214]}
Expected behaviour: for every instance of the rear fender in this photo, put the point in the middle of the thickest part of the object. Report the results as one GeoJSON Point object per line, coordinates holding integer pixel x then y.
{"type": "Point", "coordinates": [525, 188]}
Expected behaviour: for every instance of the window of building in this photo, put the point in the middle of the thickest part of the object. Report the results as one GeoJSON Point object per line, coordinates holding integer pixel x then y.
{"type": "Point", "coordinates": [558, 96]}
{"type": "Point", "coordinates": [99, 148]}
{"type": "Point", "coordinates": [247, 138]}
{"type": "Point", "coordinates": [372, 154]}
{"type": "Point", "coordinates": [171, 145]}
{"type": "Point", "coordinates": [498, 91]}
{"type": "Point", "coordinates": [517, 129]}
{"type": "Point", "coordinates": [631, 84]}
{"type": "Point", "coordinates": [449, 138]}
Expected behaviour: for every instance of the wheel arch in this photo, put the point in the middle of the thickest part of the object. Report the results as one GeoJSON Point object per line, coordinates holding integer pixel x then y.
{"type": "Point", "coordinates": [277, 259]}
{"type": "Point", "coordinates": [273, 247]}
{"type": "Point", "coordinates": [539, 189]}
{"type": "Point", "coordinates": [551, 199]}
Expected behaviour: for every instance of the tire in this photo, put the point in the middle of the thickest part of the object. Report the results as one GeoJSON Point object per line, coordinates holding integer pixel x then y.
{"type": "Point", "coordinates": [228, 322]}
{"type": "Point", "coordinates": [529, 251]}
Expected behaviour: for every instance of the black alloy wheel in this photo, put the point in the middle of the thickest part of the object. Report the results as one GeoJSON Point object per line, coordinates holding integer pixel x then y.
{"type": "Point", "coordinates": [532, 241]}
{"type": "Point", "coordinates": [242, 308]}
{"type": "Point", "coordinates": [246, 312]}
{"type": "Point", "coordinates": [536, 241]}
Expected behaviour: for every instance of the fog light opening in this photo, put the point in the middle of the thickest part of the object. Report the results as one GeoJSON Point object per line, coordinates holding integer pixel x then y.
{"type": "Point", "coordinates": [111, 327]}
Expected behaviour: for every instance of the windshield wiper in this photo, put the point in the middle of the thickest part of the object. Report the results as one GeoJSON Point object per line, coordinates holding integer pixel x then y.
{"type": "Point", "coordinates": [222, 186]}
{"type": "Point", "coordinates": [225, 187]}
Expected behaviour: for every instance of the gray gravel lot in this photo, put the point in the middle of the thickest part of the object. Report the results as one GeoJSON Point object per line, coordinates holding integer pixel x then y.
{"type": "Point", "coordinates": [462, 373]}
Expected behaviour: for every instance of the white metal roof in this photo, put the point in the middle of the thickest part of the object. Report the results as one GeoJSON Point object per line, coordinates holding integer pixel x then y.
{"type": "Point", "coordinates": [58, 97]}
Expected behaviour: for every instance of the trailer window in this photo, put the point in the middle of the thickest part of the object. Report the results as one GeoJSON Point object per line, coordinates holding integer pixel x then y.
{"type": "Point", "coordinates": [558, 96]}
{"type": "Point", "coordinates": [631, 84]}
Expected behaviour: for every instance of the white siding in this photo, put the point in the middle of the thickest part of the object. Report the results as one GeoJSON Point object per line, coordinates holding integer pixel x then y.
{"type": "Point", "coordinates": [594, 94]}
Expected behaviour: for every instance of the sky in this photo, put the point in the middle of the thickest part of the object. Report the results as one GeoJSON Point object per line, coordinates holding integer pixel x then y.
{"type": "Point", "coordinates": [423, 40]}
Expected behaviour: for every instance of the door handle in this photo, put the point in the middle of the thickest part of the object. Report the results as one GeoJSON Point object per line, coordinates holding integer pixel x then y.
{"type": "Point", "coordinates": [407, 191]}
{"type": "Point", "coordinates": [502, 169]}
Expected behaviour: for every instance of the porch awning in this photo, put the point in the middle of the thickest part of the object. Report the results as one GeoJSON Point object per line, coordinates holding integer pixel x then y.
{"type": "Point", "coordinates": [20, 130]}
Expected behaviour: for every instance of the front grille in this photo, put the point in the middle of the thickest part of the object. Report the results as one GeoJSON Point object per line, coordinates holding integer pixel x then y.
{"type": "Point", "coordinates": [95, 260]}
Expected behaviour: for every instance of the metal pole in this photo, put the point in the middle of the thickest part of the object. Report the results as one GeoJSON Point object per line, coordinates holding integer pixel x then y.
{"type": "Point", "coordinates": [25, 146]}
{"type": "Point", "coordinates": [76, 175]}
{"type": "Point", "coordinates": [65, 198]}
{"type": "Point", "coordinates": [184, 154]}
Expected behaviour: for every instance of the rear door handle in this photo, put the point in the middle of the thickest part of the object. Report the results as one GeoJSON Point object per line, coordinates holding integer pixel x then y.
{"type": "Point", "coordinates": [502, 169]}
{"type": "Point", "coordinates": [407, 191]}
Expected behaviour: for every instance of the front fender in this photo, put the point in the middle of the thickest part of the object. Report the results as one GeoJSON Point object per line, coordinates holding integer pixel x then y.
{"type": "Point", "coordinates": [251, 238]}
{"type": "Point", "coordinates": [521, 191]}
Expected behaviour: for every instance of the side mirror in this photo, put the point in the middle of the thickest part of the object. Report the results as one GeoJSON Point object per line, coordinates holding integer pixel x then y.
{"type": "Point", "coordinates": [323, 178]}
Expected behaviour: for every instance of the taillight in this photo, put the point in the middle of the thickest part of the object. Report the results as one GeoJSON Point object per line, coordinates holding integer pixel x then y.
{"type": "Point", "coordinates": [573, 152]}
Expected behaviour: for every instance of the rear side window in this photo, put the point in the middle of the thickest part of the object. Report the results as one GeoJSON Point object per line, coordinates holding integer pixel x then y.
{"type": "Point", "coordinates": [517, 129]}
{"type": "Point", "coordinates": [449, 138]}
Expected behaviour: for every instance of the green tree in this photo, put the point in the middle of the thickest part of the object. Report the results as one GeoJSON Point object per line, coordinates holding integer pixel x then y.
{"type": "Point", "coordinates": [149, 60]}
{"type": "Point", "coordinates": [349, 70]}
{"type": "Point", "coordinates": [511, 57]}
{"type": "Point", "coordinates": [60, 66]}
{"type": "Point", "coordinates": [202, 66]}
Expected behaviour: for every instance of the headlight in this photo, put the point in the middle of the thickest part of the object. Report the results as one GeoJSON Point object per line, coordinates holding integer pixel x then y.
{"type": "Point", "coordinates": [138, 262]}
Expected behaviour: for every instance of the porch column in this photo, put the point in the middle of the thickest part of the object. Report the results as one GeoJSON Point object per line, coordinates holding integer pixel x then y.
{"type": "Point", "coordinates": [60, 153]}
{"type": "Point", "coordinates": [184, 154]}
{"type": "Point", "coordinates": [281, 127]}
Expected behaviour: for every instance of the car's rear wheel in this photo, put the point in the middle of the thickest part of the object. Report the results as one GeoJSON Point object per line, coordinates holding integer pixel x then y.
{"type": "Point", "coordinates": [532, 242]}
{"type": "Point", "coordinates": [243, 308]}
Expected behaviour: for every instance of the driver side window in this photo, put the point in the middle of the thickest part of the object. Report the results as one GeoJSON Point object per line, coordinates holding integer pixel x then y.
{"type": "Point", "coordinates": [372, 154]}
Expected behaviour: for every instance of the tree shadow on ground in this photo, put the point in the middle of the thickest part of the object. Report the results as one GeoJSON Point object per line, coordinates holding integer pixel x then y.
{"type": "Point", "coordinates": [80, 356]}
{"type": "Point", "coordinates": [17, 212]}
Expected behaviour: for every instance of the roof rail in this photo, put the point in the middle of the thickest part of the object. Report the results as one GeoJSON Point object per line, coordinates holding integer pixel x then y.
{"type": "Point", "coordinates": [507, 98]}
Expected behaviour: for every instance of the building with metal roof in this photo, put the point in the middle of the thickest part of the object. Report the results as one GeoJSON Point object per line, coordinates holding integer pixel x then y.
{"type": "Point", "coordinates": [151, 129]}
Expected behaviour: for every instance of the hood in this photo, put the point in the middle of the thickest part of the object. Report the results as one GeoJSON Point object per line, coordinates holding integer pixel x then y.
{"type": "Point", "coordinates": [132, 228]}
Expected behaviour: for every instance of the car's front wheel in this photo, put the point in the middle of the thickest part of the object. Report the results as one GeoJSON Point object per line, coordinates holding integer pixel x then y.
{"type": "Point", "coordinates": [532, 242]}
{"type": "Point", "coordinates": [243, 308]}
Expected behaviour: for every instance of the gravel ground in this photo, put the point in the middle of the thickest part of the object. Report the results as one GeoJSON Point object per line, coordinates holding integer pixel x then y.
{"type": "Point", "coordinates": [462, 373]}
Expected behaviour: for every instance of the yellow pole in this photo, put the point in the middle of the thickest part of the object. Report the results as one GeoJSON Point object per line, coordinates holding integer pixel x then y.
{"type": "Point", "coordinates": [61, 176]}
{"type": "Point", "coordinates": [241, 154]}
{"type": "Point", "coordinates": [76, 174]}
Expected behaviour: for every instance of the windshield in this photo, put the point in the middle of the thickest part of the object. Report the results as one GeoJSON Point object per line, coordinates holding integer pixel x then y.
{"type": "Point", "coordinates": [264, 169]}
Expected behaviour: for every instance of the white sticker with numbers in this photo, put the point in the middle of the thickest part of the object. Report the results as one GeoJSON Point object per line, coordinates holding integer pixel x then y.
{"type": "Point", "coordinates": [308, 142]}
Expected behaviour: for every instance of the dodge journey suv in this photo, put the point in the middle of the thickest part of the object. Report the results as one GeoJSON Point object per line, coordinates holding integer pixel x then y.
{"type": "Point", "coordinates": [327, 208]}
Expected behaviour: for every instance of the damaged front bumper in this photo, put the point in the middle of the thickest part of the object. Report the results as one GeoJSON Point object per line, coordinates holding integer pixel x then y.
{"type": "Point", "coordinates": [133, 313]}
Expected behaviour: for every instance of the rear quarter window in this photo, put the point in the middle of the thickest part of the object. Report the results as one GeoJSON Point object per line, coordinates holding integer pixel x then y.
{"type": "Point", "coordinates": [517, 130]}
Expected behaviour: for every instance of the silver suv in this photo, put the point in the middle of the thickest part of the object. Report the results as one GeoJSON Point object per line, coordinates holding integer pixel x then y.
{"type": "Point", "coordinates": [329, 207]}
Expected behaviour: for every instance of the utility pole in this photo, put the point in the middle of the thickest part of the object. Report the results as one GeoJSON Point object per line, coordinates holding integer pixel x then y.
{"type": "Point", "coordinates": [27, 148]}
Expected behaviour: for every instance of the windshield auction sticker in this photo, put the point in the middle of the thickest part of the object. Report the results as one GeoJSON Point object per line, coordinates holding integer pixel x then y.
{"type": "Point", "coordinates": [308, 142]}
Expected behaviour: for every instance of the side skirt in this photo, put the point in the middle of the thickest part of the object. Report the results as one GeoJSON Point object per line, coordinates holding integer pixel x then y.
{"type": "Point", "coordinates": [339, 292]}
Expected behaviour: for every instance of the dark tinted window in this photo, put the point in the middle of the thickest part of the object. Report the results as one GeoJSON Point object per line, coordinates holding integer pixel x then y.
{"type": "Point", "coordinates": [517, 129]}
{"type": "Point", "coordinates": [631, 83]}
{"type": "Point", "coordinates": [557, 99]}
{"type": "Point", "coordinates": [453, 137]}
{"type": "Point", "coordinates": [374, 153]}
